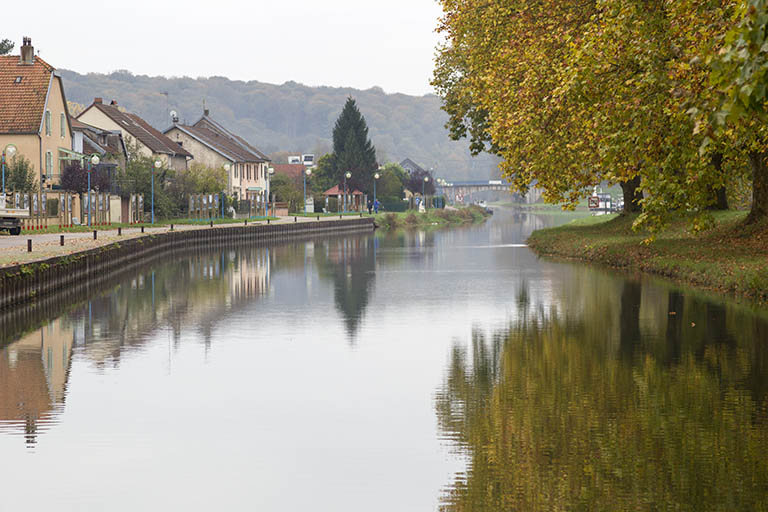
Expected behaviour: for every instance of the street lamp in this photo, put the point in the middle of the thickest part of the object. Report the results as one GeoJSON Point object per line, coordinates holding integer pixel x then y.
{"type": "Point", "coordinates": [375, 179]}
{"type": "Point", "coordinates": [307, 174]}
{"type": "Point", "coordinates": [158, 164]}
{"type": "Point", "coordinates": [423, 191]}
{"type": "Point", "coordinates": [347, 175]}
{"type": "Point", "coordinates": [229, 186]}
{"type": "Point", "coordinates": [9, 151]}
{"type": "Point", "coordinates": [270, 204]}
{"type": "Point", "coordinates": [94, 161]}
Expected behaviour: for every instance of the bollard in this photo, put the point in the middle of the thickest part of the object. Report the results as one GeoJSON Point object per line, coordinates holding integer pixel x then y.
{"type": "Point", "coordinates": [267, 221]}
{"type": "Point", "coordinates": [318, 217]}
{"type": "Point", "coordinates": [361, 215]}
{"type": "Point", "coordinates": [61, 240]}
{"type": "Point", "coordinates": [211, 223]}
{"type": "Point", "coordinates": [142, 229]}
{"type": "Point", "coordinates": [94, 234]}
{"type": "Point", "coordinates": [171, 227]}
{"type": "Point", "coordinates": [339, 217]}
{"type": "Point", "coordinates": [119, 231]}
{"type": "Point", "coordinates": [295, 219]}
{"type": "Point", "coordinates": [29, 245]}
{"type": "Point", "coordinates": [246, 222]}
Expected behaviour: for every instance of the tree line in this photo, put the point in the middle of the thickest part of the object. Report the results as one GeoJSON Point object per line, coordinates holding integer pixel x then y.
{"type": "Point", "coordinates": [665, 97]}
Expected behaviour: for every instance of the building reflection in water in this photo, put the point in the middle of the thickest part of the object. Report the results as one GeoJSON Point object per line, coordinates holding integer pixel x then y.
{"type": "Point", "coordinates": [33, 379]}
{"type": "Point", "coordinates": [196, 293]}
{"type": "Point", "coordinates": [655, 401]}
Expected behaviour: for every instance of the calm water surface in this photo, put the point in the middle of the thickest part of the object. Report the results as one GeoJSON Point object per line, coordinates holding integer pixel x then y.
{"type": "Point", "coordinates": [404, 372]}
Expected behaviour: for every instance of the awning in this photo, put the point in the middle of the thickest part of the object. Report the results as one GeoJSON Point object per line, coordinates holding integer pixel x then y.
{"type": "Point", "coordinates": [254, 189]}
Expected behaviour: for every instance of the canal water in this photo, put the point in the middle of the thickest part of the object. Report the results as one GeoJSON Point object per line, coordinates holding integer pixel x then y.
{"type": "Point", "coordinates": [412, 371]}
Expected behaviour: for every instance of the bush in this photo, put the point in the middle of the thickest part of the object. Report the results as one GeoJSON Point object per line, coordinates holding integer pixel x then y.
{"type": "Point", "coordinates": [391, 204]}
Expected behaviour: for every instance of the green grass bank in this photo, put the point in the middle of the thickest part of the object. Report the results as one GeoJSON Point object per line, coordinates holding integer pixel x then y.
{"type": "Point", "coordinates": [431, 218]}
{"type": "Point", "coordinates": [730, 258]}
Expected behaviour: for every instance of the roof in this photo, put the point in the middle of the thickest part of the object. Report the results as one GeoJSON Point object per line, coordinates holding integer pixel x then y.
{"type": "Point", "coordinates": [22, 104]}
{"type": "Point", "coordinates": [141, 130]}
{"type": "Point", "coordinates": [294, 171]}
{"type": "Point", "coordinates": [337, 191]}
{"type": "Point", "coordinates": [223, 143]}
{"type": "Point", "coordinates": [206, 122]}
{"type": "Point", "coordinates": [407, 161]}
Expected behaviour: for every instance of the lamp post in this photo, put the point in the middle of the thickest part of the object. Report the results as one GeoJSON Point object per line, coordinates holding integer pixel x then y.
{"type": "Point", "coordinates": [307, 174]}
{"type": "Point", "coordinates": [158, 164]}
{"type": "Point", "coordinates": [375, 179]}
{"type": "Point", "coordinates": [9, 151]}
{"type": "Point", "coordinates": [94, 161]}
{"type": "Point", "coordinates": [229, 185]}
{"type": "Point", "coordinates": [347, 175]}
{"type": "Point", "coordinates": [270, 206]}
{"type": "Point", "coordinates": [423, 191]}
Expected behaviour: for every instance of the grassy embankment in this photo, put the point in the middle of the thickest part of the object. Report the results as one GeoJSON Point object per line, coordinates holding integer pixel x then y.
{"type": "Point", "coordinates": [431, 218]}
{"type": "Point", "coordinates": [731, 258]}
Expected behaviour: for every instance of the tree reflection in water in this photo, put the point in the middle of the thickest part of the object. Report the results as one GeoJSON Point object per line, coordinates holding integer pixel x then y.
{"type": "Point", "coordinates": [349, 263]}
{"type": "Point", "coordinates": [665, 411]}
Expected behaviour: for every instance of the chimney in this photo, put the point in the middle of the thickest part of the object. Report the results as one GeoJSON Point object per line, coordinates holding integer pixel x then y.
{"type": "Point", "coordinates": [97, 101]}
{"type": "Point", "coordinates": [206, 112]}
{"type": "Point", "coordinates": [113, 103]}
{"type": "Point", "coordinates": [27, 52]}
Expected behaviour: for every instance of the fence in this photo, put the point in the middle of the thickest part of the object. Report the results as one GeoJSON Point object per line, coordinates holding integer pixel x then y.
{"type": "Point", "coordinates": [67, 209]}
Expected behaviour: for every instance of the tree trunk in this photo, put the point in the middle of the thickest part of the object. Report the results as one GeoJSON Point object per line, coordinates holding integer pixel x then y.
{"type": "Point", "coordinates": [759, 209]}
{"type": "Point", "coordinates": [632, 195]}
{"type": "Point", "coordinates": [719, 193]}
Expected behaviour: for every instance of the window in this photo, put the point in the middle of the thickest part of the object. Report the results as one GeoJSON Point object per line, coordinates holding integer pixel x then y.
{"type": "Point", "coordinates": [49, 164]}
{"type": "Point", "coordinates": [235, 166]}
{"type": "Point", "coordinates": [47, 122]}
{"type": "Point", "coordinates": [63, 125]}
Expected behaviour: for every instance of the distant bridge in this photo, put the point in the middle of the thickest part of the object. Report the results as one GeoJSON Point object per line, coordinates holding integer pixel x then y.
{"type": "Point", "coordinates": [462, 191]}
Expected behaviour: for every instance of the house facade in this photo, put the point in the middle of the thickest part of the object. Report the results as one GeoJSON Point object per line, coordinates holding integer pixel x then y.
{"type": "Point", "coordinates": [136, 132]}
{"type": "Point", "coordinates": [410, 166]}
{"type": "Point", "coordinates": [33, 114]}
{"type": "Point", "coordinates": [214, 146]}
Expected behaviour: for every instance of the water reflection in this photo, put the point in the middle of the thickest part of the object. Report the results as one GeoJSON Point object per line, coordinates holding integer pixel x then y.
{"type": "Point", "coordinates": [195, 294]}
{"type": "Point", "coordinates": [657, 402]}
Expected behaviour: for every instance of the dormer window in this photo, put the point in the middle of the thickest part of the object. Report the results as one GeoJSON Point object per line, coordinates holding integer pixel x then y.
{"type": "Point", "coordinates": [18, 80]}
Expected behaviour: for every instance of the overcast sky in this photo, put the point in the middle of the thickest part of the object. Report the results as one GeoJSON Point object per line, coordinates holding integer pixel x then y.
{"type": "Point", "coordinates": [355, 43]}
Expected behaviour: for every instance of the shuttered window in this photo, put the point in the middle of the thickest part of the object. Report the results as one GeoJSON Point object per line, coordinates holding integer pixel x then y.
{"type": "Point", "coordinates": [47, 122]}
{"type": "Point", "coordinates": [63, 125]}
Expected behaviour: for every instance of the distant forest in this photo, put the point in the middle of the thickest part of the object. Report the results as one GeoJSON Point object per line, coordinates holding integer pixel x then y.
{"type": "Point", "coordinates": [291, 118]}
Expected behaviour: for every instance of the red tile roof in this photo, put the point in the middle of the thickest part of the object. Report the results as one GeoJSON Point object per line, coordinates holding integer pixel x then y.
{"type": "Point", "coordinates": [293, 171]}
{"type": "Point", "coordinates": [22, 103]}
{"type": "Point", "coordinates": [141, 130]}
{"type": "Point", "coordinates": [337, 191]}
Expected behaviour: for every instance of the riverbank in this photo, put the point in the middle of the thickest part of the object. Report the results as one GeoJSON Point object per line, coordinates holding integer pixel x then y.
{"type": "Point", "coordinates": [431, 218]}
{"type": "Point", "coordinates": [21, 282]}
{"type": "Point", "coordinates": [729, 258]}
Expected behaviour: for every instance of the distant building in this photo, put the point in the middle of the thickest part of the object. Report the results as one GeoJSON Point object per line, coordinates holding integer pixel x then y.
{"type": "Point", "coordinates": [294, 171]}
{"type": "Point", "coordinates": [33, 113]}
{"type": "Point", "coordinates": [214, 146]}
{"type": "Point", "coordinates": [410, 166]}
{"type": "Point", "coordinates": [150, 142]}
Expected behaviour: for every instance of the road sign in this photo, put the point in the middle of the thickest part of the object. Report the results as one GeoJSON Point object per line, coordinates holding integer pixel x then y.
{"type": "Point", "coordinates": [594, 202]}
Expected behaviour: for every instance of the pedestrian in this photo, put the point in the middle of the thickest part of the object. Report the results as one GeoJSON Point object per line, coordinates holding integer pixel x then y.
{"type": "Point", "coordinates": [370, 206]}
{"type": "Point", "coordinates": [376, 205]}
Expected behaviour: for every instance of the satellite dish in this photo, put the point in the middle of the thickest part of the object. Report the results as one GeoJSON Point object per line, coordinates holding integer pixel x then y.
{"type": "Point", "coordinates": [174, 116]}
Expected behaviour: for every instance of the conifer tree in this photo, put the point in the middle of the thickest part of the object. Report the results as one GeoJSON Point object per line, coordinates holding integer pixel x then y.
{"type": "Point", "coordinates": [352, 149]}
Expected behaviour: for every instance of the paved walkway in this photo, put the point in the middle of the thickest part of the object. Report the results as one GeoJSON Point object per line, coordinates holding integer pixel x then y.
{"type": "Point", "coordinates": [13, 249]}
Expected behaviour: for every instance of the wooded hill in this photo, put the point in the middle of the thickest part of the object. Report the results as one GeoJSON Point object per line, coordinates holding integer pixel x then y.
{"type": "Point", "coordinates": [291, 117]}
